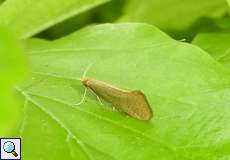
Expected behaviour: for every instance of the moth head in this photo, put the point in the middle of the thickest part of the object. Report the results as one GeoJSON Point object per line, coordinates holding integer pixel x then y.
{"type": "Point", "coordinates": [85, 81]}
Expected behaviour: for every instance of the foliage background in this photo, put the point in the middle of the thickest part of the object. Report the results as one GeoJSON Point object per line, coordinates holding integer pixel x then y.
{"type": "Point", "coordinates": [176, 52]}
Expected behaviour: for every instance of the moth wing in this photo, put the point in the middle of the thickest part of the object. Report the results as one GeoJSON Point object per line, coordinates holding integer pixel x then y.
{"type": "Point", "coordinates": [140, 106]}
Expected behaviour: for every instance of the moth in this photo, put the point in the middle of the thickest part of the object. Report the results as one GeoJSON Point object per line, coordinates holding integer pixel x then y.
{"type": "Point", "coordinates": [133, 103]}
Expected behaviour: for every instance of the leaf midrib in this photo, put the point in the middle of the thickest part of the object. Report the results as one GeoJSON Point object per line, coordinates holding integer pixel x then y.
{"type": "Point", "coordinates": [77, 140]}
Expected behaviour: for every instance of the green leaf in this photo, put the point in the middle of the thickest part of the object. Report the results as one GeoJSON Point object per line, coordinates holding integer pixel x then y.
{"type": "Point", "coordinates": [27, 18]}
{"type": "Point", "coordinates": [173, 16]}
{"type": "Point", "coordinates": [217, 44]}
{"type": "Point", "coordinates": [187, 90]}
{"type": "Point", "coordinates": [12, 69]}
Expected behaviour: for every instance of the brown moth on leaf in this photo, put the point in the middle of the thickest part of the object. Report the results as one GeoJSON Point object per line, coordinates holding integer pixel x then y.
{"type": "Point", "coordinates": [134, 103]}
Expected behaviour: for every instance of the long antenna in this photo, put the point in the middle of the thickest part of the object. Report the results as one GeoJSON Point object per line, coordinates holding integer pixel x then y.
{"type": "Point", "coordinates": [84, 95]}
{"type": "Point", "coordinates": [82, 100]}
{"type": "Point", "coordinates": [83, 76]}
{"type": "Point", "coordinates": [86, 70]}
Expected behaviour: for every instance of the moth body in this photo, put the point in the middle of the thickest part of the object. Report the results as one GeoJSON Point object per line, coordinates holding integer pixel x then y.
{"type": "Point", "coordinates": [133, 103]}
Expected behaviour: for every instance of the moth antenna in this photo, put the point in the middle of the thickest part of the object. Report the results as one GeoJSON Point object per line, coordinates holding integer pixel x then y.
{"type": "Point", "coordinates": [85, 91]}
{"type": "Point", "coordinates": [83, 76]}
{"type": "Point", "coordinates": [84, 95]}
{"type": "Point", "coordinates": [83, 98]}
{"type": "Point", "coordinates": [86, 70]}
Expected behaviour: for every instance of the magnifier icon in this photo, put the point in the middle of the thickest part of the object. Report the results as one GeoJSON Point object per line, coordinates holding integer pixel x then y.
{"type": "Point", "coordinates": [9, 147]}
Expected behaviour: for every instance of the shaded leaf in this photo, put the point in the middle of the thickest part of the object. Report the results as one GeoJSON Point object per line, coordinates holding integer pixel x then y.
{"type": "Point", "coordinates": [217, 44]}
{"type": "Point", "coordinates": [173, 16]}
